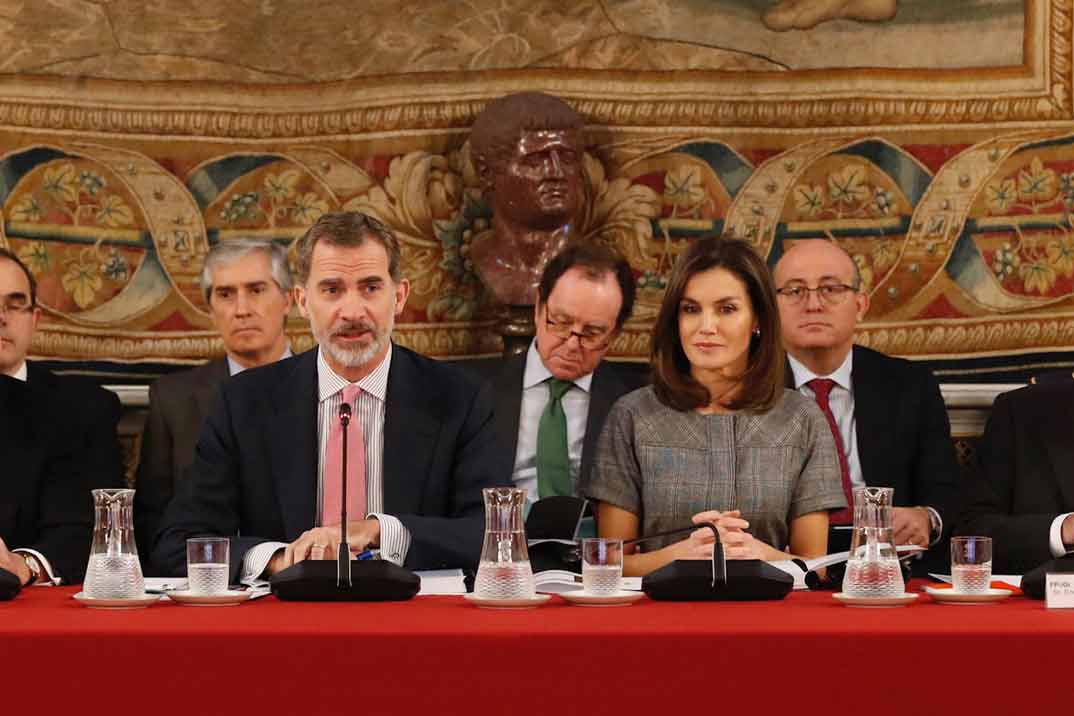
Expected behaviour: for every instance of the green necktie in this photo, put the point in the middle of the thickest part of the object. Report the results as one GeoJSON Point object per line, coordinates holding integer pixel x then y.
{"type": "Point", "coordinates": [553, 462]}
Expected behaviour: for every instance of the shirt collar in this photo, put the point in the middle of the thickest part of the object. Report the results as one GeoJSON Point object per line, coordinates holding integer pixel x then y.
{"type": "Point", "coordinates": [20, 374]}
{"type": "Point", "coordinates": [537, 373]}
{"type": "Point", "coordinates": [234, 367]}
{"type": "Point", "coordinates": [840, 375]}
{"type": "Point", "coordinates": [329, 382]}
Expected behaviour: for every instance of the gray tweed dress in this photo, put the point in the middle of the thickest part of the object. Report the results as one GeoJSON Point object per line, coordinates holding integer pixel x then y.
{"type": "Point", "coordinates": [666, 465]}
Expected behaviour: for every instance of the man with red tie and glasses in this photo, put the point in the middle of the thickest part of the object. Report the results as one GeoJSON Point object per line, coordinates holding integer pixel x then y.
{"type": "Point", "coordinates": [268, 462]}
{"type": "Point", "coordinates": [887, 415]}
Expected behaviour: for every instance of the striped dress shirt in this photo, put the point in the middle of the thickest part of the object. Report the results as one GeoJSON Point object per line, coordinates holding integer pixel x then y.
{"type": "Point", "coordinates": [394, 537]}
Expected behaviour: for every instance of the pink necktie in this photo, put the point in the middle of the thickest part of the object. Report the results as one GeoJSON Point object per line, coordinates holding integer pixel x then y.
{"type": "Point", "coordinates": [331, 487]}
{"type": "Point", "coordinates": [822, 388]}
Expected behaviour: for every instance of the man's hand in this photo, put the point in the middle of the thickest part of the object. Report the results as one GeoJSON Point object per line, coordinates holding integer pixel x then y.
{"type": "Point", "coordinates": [911, 525]}
{"type": "Point", "coordinates": [14, 563]}
{"type": "Point", "coordinates": [323, 543]}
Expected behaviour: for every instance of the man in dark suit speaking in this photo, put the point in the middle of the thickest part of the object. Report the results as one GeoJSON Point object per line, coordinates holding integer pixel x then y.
{"type": "Point", "coordinates": [267, 467]}
{"type": "Point", "coordinates": [887, 415]}
{"type": "Point", "coordinates": [57, 443]}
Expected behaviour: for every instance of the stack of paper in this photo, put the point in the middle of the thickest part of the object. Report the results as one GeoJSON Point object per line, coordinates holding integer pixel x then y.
{"type": "Point", "coordinates": [442, 581]}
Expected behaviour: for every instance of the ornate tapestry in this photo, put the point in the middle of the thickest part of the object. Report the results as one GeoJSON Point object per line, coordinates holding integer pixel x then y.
{"type": "Point", "coordinates": [936, 146]}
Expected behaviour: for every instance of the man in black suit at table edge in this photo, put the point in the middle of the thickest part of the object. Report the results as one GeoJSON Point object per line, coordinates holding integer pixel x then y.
{"type": "Point", "coordinates": [1021, 488]}
{"type": "Point", "coordinates": [263, 473]}
{"type": "Point", "coordinates": [57, 443]}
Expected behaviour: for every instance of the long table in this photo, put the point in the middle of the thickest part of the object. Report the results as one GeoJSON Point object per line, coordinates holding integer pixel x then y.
{"type": "Point", "coordinates": [440, 655]}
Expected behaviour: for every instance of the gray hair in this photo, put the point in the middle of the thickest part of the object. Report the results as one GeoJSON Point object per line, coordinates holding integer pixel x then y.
{"type": "Point", "coordinates": [226, 252]}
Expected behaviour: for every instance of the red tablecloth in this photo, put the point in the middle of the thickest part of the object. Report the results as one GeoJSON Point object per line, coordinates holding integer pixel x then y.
{"type": "Point", "coordinates": [440, 655]}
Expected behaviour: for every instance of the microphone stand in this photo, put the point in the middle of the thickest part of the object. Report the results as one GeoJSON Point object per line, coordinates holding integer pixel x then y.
{"type": "Point", "coordinates": [343, 554]}
{"type": "Point", "coordinates": [719, 562]}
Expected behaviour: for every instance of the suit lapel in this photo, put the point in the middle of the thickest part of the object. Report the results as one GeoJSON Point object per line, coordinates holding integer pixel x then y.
{"type": "Point", "coordinates": [410, 434]}
{"type": "Point", "coordinates": [203, 390]}
{"type": "Point", "coordinates": [19, 452]}
{"type": "Point", "coordinates": [1054, 423]}
{"type": "Point", "coordinates": [291, 436]}
{"type": "Point", "coordinates": [874, 405]}
{"type": "Point", "coordinates": [508, 403]}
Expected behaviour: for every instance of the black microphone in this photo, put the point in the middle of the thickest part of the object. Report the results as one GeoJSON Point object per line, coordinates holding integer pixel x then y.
{"type": "Point", "coordinates": [374, 580]}
{"type": "Point", "coordinates": [719, 561]}
{"type": "Point", "coordinates": [692, 580]}
{"type": "Point", "coordinates": [343, 554]}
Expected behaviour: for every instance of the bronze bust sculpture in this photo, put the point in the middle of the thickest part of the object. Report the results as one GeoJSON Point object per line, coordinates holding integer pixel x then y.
{"type": "Point", "coordinates": [527, 151]}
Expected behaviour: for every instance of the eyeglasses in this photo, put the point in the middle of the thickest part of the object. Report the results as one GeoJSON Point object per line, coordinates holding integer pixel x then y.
{"type": "Point", "coordinates": [589, 337]}
{"type": "Point", "coordinates": [829, 293]}
{"type": "Point", "coordinates": [15, 304]}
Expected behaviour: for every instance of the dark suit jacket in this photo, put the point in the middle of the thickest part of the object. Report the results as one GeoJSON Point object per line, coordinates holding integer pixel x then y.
{"type": "Point", "coordinates": [610, 382]}
{"type": "Point", "coordinates": [904, 436]}
{"type": "Point", "coordinates": [255, 469]}
{"type": "Point", "coordinates": [57, 442]}
{"type": "Point", "coordinates": [178, 406]}
{"type": "Point", "coordinates": [1023, 477]}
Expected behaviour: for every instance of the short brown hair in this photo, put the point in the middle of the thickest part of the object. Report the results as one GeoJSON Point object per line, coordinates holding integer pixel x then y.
{"type": "Point", "coordinates": [597, 260]}
{"type": "Point", "coordinates": [346, 228]}
{"type": "Point", "coordinates": [762, 383]}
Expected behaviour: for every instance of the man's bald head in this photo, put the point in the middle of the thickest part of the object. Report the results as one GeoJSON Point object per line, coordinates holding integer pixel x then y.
{"type": "Point", "coordinates": [818, 325]}
{"type": "Point", "coordinates": [820, 250]}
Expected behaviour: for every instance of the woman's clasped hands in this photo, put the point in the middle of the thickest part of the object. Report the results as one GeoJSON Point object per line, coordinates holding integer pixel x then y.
{"type": "Point", "coordinates": [736, 541]}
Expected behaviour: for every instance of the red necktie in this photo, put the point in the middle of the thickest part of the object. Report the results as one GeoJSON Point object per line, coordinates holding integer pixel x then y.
{"type": "Point", "coordinates": [822, 388]}
{"type": "Point", "coordinates": [331, 486]}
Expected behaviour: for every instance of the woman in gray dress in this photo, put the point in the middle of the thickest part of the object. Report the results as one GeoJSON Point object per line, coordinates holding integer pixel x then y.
{"type": "Point", "coordinates": [716, 437]}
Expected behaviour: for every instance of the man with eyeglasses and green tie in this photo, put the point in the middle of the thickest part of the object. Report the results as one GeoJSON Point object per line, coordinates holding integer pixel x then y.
{"type": "Point", "coordinates": [57, 442]}
{"type": "Point", "coordinates": [552, 400]}
{"type": "Point", "coordinates": [886, 414]}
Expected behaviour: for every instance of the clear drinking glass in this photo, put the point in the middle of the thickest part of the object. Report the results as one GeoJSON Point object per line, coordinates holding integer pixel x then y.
{"type": "Point", "coordinates": [113, 571]}
{"type": "Point", "coordinates": [207, 565]}
{"type": "Point", "coordinates": [971, 564]}
{"type": "Point", "coordinates": [873, 568]}
{"type": "Point", "coordinates": [504, 571]}
{"type": "Point", "coordinates": [602, 565]}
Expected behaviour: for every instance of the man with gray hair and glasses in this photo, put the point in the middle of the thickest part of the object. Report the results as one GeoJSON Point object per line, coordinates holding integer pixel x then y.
{"type": "Point", "coordinates": [268, 469]}
{"type": "Point", "coordinates": [886, 414]}
{"type": "Point", "coordinates": [247, 285]}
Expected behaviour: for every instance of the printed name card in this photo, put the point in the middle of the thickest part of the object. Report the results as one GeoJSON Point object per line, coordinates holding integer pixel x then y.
{"type": "Point", "coordinates": [1059, 591]}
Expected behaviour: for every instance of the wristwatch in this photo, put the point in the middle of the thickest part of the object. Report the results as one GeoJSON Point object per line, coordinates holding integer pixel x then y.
{"type": "Point", "coordinates": [35, 569]}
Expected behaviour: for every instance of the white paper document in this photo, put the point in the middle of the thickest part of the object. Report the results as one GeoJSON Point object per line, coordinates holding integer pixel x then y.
{"type": "Point", "coordinates": [557, 581]}
{"type": "Point", "coordinates": [442, 581]}
{"type": "Point", "coordinates": [1015, 580]}
{"type": "Point", "coordinates": [827, 561]}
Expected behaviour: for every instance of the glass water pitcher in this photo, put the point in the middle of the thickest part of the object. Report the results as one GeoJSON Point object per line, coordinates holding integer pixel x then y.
{"type": "Point", "coordinates": [504, 571]}
{"type": "Point", "coordinates": [873, 569]}
{"type": "Point", "coordinates": [114, 571]}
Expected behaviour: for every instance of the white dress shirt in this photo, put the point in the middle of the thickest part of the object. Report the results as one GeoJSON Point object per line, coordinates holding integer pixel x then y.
{"type": "Point", "coordinates": [369, 411]}
{"type": "Point", "coordinates": [535, 394]}
{"type": "Point", "coordinates": [841, 402]}
{"type": "Point", "coordinates": [49, 578]}
{"type": "Point", "coordinates": [1055, 535]}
